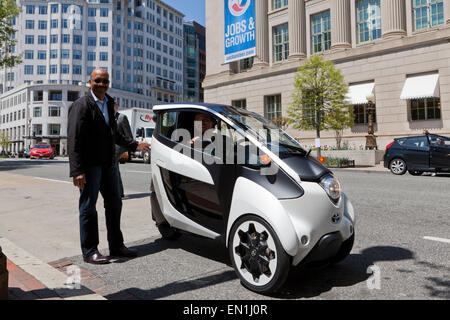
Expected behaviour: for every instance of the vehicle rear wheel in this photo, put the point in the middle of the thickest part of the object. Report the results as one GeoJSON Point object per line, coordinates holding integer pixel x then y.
{"type": "Point", "coordinates": [415, 172]}
{"type": "Point", "coordinates": [168, 232]}
{"type": "Point", "coordinates": [257, 255]}
{"type": "Point", "coordinates": [398, 166]}
{"type": "Point", "coordinates": [147, 157]}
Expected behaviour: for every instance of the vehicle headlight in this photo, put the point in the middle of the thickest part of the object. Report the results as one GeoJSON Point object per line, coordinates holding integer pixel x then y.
{"type": "Point", "coordinates": [332, 186]}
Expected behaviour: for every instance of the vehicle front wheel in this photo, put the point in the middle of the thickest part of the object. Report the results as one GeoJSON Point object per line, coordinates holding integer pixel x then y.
{"type": "Point", "coordinates": [257, 255]}
{"type": "Point", "coordinates": [398, 166]}
{"type": "Point", "coordinates": [415, 172]}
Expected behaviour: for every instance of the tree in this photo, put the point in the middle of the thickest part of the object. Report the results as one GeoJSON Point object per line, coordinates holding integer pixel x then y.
{"type": "Point", "coordinates": [5, 142]}
{"type": "Point", "coordinates": [8, 11]}
{"type": "Point", "coordinates": [282, 122]}
{"type": "Point", "coordinates": [319, 98]}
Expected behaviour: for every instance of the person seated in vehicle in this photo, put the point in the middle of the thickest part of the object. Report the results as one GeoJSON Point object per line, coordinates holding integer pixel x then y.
{"type": "Point", "coordinates": [202, 123]}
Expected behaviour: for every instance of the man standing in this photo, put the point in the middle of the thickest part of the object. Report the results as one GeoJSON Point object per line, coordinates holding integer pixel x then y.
{"type": "Point", "coordinates": [92, 135]}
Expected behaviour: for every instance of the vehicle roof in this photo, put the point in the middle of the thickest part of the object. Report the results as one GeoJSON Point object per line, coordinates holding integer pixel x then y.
{"type": "Point", "coordinates": [220, 108]}
{"type": "Point", "coordinates": [419, 136]}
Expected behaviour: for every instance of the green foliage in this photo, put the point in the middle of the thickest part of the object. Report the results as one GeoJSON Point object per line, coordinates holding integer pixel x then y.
{"type": "Point", "coordinates": [8, 10]}
{"type": "Point", "coordinates": [5, 142]}
{"type": "Point", "coordinates": [319, 98]}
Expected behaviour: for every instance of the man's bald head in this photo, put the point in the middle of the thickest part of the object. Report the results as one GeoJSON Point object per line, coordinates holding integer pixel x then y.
{"type": "Point", "coordinates": [99, 72]}
{"type": "Point", "coordinates": [99, 82]}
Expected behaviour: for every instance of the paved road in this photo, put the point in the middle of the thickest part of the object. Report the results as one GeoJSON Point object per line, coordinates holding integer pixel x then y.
{"type": "Point", "coordinates": [400, 221]}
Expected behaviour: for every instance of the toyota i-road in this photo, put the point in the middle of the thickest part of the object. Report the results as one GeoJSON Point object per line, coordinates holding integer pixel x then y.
{"type": "Point", "coordinates": [248, 183]}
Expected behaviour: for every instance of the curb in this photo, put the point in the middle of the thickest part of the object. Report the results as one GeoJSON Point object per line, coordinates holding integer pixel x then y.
{"type": "Point", "coordinates": [60, 283]}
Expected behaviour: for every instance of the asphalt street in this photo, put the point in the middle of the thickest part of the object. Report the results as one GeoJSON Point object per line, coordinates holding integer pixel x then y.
{"type": "Point", "coordinates": [400, 250]}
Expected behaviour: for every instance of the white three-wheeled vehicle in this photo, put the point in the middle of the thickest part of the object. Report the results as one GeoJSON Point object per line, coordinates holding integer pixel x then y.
{"type": "Point", "coordinates": [250, 184]}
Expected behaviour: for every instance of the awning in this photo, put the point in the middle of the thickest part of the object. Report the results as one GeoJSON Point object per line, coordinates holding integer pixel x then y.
{"type": "Point", "coordinates": [357, 93]}
{"type": "Point", "coordinates": [419, 87]}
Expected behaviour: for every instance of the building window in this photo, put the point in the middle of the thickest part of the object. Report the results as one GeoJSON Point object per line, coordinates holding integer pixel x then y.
{"type": "Point", "coordinates": [53, 69]}
{"type": "Point", "coordinates": [239, 103]}
{"type": "Point", "coordinates": [92, 41]}
{"type": "Point", "coordinates": [29, 24]}
{"type": "Point", "coordinates": [72, 95]}
{"type": "Point", "coordinates": [77, 39]}
{"type": "Point", "coordinates": [91, 55]}
{"type": "Point", "coordinates": [362, 115]}
{"type": "Point", "coordinates": [54, 129]}
{"type": "Point", "coordinates": [277, 4]}
{"type": "Point", "coordinates": [77, 54]}
{"type": "Point", "coordinates": [55, 95]}
{"type": "Point", "coordinates": [245, 64]}
{"type": "Point", "coordinates": [104, 27]}
{"type": "Point", "coordinates": [65, 53]}
{"type": "Point", "coordinates": [28, 69]}
{"type": "Point", "coordinates": [54, 23]}
{"type": "Point", "coordinates": [103, 56]}
{"type": "Point", "coordinates": [426, 109]}
{"type": "Point", "coordinates": [53, 38]}
{"type": "Point", "coordinates": [42, 25]}
{"type": "Point", "coordinates": [280, 42]}
{"type": "Point", "coordinates": [321, 32]}
{"type": "Point", "coordinates": [29, 54]}
{"type": "Point", "coordinates": [42, 9]}
{"type": "Point", "coordinates": [428, 13]}
{"type": "Point", "coordinates": [77, 69]}
{"type": "Point", "coordinates": [65, 38]}
{"type": "Point", "coordinates": [92, 12]}
{"type": "Point", "coordinates": [54, 111]}
{"type": "Point", "coordinates": [42, 39]}
{"type": "Point", "coordinates": [29, 39]}
{"type": "Point", "coordinates": [41, 69]}
{"type": "Point", "coordinates": [64, 68]}
{"type": "Point", "coordinates": [272, 107]}
{"type": "Point", "coordinates": [104, 12]}
{"type": "Point", "coordinates": [54, 8]}
{"type": "Point", "coordinates": [92, 26]}
{"type": "Point", "coordinates": [37, 112]}
{"type": "Point", "coordinates": [37, 129]}
{"type": "Point", "coordinates": [29, 9]}
{"type": "Point", "coordinates": [104, 42]}
{"type": "Point", "coordinates": [368, 20]}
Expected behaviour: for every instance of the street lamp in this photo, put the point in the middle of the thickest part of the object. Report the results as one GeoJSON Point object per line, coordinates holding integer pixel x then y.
{"type": "Point", "coordinates": [371, 139]}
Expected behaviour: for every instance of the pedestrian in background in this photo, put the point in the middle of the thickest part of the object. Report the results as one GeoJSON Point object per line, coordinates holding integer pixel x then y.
{"type": "Point", "coordinates": [92, 136]}
{"type": "Point", "coordinates": [124, 129]}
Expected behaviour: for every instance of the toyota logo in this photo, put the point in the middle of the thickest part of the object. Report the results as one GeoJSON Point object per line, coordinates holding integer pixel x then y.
{"type": "Point", "coordinates": [336, 218]}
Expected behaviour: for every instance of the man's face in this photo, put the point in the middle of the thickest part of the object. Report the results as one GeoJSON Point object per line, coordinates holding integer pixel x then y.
{"type": "Point", "coordinates": [99, 82]}
{"type": "Point", "coordinates": [207, 122]}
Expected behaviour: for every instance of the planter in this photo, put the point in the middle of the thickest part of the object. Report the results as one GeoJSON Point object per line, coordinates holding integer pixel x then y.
{"type": "Point", "coordinates": [367, 158]}
{"type": "Point", "coordinates": [3, 277]}
{"type": "Point", "coordinates": [341, 163]}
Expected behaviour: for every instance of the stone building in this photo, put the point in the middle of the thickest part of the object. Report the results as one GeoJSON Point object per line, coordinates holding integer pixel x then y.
{"type": "Point", "coordinates": [397, 50]}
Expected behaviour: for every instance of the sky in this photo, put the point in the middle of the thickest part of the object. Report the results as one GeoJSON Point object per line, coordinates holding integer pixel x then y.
{"type": "Point", "coordinates": [192, 9]}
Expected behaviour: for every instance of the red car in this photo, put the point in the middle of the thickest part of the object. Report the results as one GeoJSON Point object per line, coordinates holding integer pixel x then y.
{"type": "Point", "coordinates": [42, 151]}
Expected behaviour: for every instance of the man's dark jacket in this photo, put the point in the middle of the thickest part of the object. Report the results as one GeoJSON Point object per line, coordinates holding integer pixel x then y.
{"type": "Point", "coordinates": [91, 142]}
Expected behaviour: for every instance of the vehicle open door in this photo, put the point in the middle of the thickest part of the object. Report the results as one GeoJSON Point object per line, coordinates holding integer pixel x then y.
{"type": "Point", "coordinates": [439, 152]}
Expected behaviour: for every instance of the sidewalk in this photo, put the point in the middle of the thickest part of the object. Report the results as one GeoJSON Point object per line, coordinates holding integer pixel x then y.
{"type": "Point", "coordinates": [377, 168]}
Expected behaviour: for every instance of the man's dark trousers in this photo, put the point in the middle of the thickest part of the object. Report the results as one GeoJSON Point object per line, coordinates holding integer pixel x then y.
{"type": "Point", "coordinates": [106, 180]}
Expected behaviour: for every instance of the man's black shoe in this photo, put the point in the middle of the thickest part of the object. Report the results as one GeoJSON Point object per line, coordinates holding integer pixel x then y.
{"type": "Point", "coordinates": [123, 252]}
{"type": "Point", "coordinates": [96, 258]}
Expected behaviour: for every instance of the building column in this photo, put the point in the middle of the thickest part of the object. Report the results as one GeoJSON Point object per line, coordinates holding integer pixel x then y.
{"type": "Point", "coordinates": [297, 29]}
{"type": "Point", "coordinates": [262, 33]}
{"type": "Point", "coordinates": [447, 10]}
{"type": "Point", "coordinates": [393, 17]}
{"type": "Point", "coordinates": [341, 36]}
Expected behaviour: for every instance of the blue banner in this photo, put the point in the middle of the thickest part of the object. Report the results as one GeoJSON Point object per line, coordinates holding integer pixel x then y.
{"type": "Point", "coordinates": [239, 30]}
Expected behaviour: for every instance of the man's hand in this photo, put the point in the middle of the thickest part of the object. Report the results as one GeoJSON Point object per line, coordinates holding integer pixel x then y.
{"type": "Point", "coordinates": [143, 146]}
{"type": "Point", "coordinates": [79, 181]}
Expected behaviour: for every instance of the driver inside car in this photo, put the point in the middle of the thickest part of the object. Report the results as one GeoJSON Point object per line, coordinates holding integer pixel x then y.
{"type": "Point", "coordinates": [202, 123]}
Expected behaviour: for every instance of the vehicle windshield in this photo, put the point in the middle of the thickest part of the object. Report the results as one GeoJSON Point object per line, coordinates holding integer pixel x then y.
{"type": "Point", "coordinates": [41, 147]}
{"type": "Point", "coordinates": [265, 131]}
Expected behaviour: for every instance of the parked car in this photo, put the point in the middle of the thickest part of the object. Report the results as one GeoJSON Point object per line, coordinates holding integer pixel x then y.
{"type": "Point", "coordinates": [272, 204]}
{"type": "Point", "coordinates": [42, 151]}
{"type": "Point", "coordinates": [26, 153]}
{"type": "Point", "coordinates": [418, 154]}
